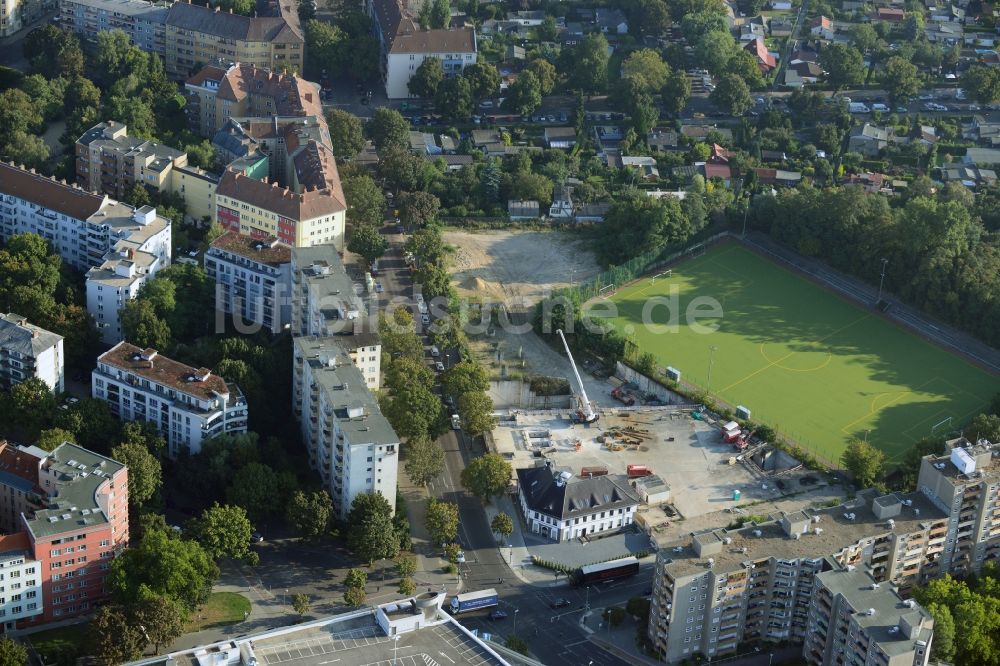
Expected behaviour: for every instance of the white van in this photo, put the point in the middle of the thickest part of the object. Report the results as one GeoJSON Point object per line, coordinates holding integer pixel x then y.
{"type": "Point", "coordinates": [858, 107]}
{"type": "Point", "coordinates": [879, 107]}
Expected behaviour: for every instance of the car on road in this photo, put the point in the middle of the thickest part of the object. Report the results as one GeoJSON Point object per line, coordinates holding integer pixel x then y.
{"type": "Point", "coordinates": [379, 288]}
{"type": "Point", "coordinates": [439, 366]}
{"type": "Point", "coordinates": [435, 351]}
{"type": "Point", "coordinates": [256, 537]}
{"type": "Point", "coordinates": [460, 558]}
{"type": "Point", "coordinates": [498, 615]}
{"type": "Point", "coordinates": [561, 603]}
{"type": "Point", "coordinates": [486, 104]}
{"type": "Point", "coordinates": [902, 109]}
{"type": "Point", "coordinates": [425, 319]}
{"type": "Point", "coordinates": [563, 117]}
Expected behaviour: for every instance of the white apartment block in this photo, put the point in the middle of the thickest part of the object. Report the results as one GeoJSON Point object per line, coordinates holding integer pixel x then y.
{"type": "Point", "coordinates": [562, 507]}
{"type": "Point", "coordinates": [18, 14]}
{"type": "Point", "coordinates": [326, 302]}
{"type": "Point", "coordinates": [253, 280]}
{"type": "Point", "coordinates": [404, 45]}
{"type": "Point", "coordinates": [130, 264]}
{"type": "Point", "coordinates": [20, 581]}
{"type": "Point", "coordinates": [82, 226]}
{"type": "Point", "coordinates": [28, 351]}
{"type": "Point", "coordinates": [187, 405]}
{"type": "Point", "coordinates": [350, 443]}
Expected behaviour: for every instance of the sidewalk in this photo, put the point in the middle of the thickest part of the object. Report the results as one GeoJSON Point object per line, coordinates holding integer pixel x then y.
{"type": "Point", "coordinates": [430, 564]}
{"type": "Point", "coordinates": [620, 641]}
{"type": "Point", "coordinates": [515, 550]}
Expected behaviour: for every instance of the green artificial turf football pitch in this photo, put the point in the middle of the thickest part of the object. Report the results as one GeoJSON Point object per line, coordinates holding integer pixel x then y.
{"type": "Point", "coordinates": [814, 366]}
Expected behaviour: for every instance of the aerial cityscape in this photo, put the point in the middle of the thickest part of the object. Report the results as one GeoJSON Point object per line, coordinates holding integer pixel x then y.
{"type": "Point", "coordinates": [464, 332]}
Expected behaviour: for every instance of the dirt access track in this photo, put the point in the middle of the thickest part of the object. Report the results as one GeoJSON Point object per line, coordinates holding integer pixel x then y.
{"type": "Point", "coordinates": [517, 267]}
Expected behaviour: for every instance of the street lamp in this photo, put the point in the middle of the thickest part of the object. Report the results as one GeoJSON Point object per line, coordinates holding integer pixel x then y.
{"type": "Point", "coordinates": [395, 647]}
{"type": "Point", "coordinates": [711, 360]}
{"type": "Point", "coordinates": [746, 210]}
{"type": "Point", "coordinates": [515, 621]}
{"type": "Point", "coordinates": [881, 280]}
{"type": "Point", "coordinates": [587, 606]}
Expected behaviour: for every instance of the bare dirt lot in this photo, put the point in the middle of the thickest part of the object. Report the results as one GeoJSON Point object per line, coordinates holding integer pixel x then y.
{"type": "Point", "coordinates": [517, 267]}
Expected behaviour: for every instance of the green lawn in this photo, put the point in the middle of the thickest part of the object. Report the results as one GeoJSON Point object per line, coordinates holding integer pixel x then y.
{"type": "Point", "coordinates": [61, 645]}
{"type": "Point", "coordinates": [814, 366]}
{"type": "Point", "coordinates": [221, 609]}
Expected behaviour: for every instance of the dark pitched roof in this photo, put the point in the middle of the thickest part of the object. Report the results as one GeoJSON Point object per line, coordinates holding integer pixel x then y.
{"type": "Point", "coordinates": [576, 497]}
{"type": "Point", "coordinates": [49, 193]}
{"type": "Point", "coordinates": [403, 35]}
{"type": "Point", "coordinates": [198, 18]}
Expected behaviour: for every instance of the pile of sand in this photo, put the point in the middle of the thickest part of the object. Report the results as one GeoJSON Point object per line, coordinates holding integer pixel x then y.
{"type": "Point", "coordinates": [476, 284]}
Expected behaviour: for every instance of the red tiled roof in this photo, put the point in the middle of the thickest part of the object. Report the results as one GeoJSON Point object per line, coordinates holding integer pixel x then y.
{"type": "Point", "coordinates": [61, 197]}
{"type": "Point", "coordinates": [764, 58]}
{"type": "Point", "coordinates": [163, 370]}
{"type": "Point", "coordinates": [717, 171]}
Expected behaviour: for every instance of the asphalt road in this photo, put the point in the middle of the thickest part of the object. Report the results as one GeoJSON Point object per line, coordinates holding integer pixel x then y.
{"type": "Point", "coordinates": [554, 636]}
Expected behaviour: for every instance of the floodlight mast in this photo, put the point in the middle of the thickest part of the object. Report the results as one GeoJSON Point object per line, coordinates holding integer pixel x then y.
{"type": "Point", "coordinates": [587, 412]}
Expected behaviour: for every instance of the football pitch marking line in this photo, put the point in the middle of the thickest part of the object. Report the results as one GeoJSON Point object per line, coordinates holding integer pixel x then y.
{"type": "Point", "coordinates": [873, 410]}
{"type": "Point", "coordinates": [826, 362]}
{"type": "Point", "coordinates": [793, 353]}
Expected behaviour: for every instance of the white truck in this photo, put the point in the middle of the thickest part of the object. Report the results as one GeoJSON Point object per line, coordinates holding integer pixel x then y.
{"type": "Point", "coordinates": [858, 107]}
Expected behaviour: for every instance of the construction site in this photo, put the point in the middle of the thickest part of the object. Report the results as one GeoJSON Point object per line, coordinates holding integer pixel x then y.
{"type": "Point", "coordinates": [682, 461]}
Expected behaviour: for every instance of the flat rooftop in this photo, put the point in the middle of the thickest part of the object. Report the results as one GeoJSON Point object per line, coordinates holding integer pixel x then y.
{"type": "Point", "coordinates": [354, 638]}
{"type": "Point", "coordinates": [165, 371]}
{"type": "Point", "coordinates": [265, 251]}
{"type": "Point", "coordinates": [836, 531]}
{"type": "Point", "coordinates": [856, 586]}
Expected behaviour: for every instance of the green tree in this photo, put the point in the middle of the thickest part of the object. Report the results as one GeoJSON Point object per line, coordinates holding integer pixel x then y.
{"type": "Point", "coordinates": [160, 619]}
{"type": "Point", "coordinates": [354, 596]}
{"type": "Point", "coordinates": [406, 566]}
{"type": "Point", "coordinates": [441, 520]}
{"type": "Point", "coordinates": [732, 94]}
{"type": "Point", "coordinates": [981, 83]}
{"type": "Point", "coordinates": [166, 565]}
{"type": "Point", "coordinates": [143, 327]}
{"type": "Point", "coordinates": [367, 241]}
{"type": "Point", "coordinates": [356, 578]}
{"type": "Point", "coordinates": [424, 460]}
{"type": "Point", "coordinates": [901, 79]}
{"type": "Point", "coordinates": [676, 92]}
{"type": "Point", "coordinates": [548, 30]}
{"type": "Point", "coordinates": [144, 473]}
{"type": "Point", "coordinates": [372, 535]}
{"type": "Point", "coordinates": [18, 114]}
{"type": "Point", "coordinates": [483, 78]}
{"type": "Point", "coordinates": [465, 377]}
{"type": "Point", "coordinates": [309, 514]}
{"type": "Point", "coordinates": [223, 531]}
{"type": "Point", "coordinates": [366, 203]}
{"type": "Point", "coordinates": [115, 637]}
{"type": "Point", "coordinates": [533, 186]}
{"type": "Point", "coordinates": [454, 98]}
{"type": "Point", "coordinates": [12, 653]}
{"type": "Point", "coordinates": [347, 136]}
{"type": "Point", "coordinates": [590, 58]}
{"type": "Point", "coordinates": [843, 64]}
{"type": "Point", "coordinates": [943, 648]}
{"type": "Point", "coordinates": [402, 169]}
{"type": "Point", "coordinates": [985, 426]}
{"type": "Point", "coordinates": [639, 105]}
{"type": "Point", "coordinates": [698, 24]}
{"type": "Point", "coordinates": [413, 410]}
{"type": "Point", "coordinates": [31, 407]}
{"type": "Point", "coordinates": [25, 149]}
{"type": "Point", "coordinates": [388, 129]}
{"type": "Point", "coordinates": [143, 434]}
{"type": "Point", "coordinates": [300, 602]}
{"type": "Point", "coordinates": [427, 79]}
{"type": "Point", "coordinates": [517, 644]}
{"type": "Point", "coordinates": [476, 410]}
{"type": "Point", "coordinates": [201, 154]}
{"type": "Point", "coordinates": [52, 438]}
{"type": "Point", "coordinates": [487, 476]}
{"type": "Point", "coordinates": [714, 51]}
{"type": "Point", "coordinates": [864, 462]}
{"type": "Point", "coordinates": [525, 94]}
{"type": "Point", "coordinates": [406, 586]}
{"type": "Point", "coordinates": [647, 68]}
{"type": "Point", "coordinates": [417, 209]}
{"type": "Point", "coordinates": [440, 13]}
{"type": "Point", "coordinates": [255, 488]}
{"type": "Point", "coordinates": [863, 37]}
{"type": "Point", "coordinates": [502, 524]}
{"type": "Point", "coordinates": [545, 72]}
